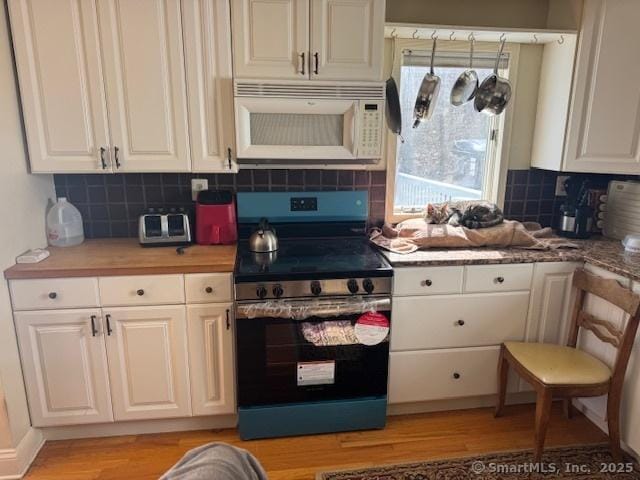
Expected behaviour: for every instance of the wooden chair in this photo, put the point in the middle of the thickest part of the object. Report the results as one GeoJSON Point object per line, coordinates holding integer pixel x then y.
{"type": "Point", "coordinates": [566, 372]}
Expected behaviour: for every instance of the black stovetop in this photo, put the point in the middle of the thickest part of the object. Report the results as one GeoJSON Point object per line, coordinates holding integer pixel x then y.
{"type": "Point", "coordinates": [320, 258]}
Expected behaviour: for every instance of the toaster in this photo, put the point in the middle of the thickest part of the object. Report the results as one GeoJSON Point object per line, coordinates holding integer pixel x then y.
{"type": "Point", "coordinates": [160, 228]}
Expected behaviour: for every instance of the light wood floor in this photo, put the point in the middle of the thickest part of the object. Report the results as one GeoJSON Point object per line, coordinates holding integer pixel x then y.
{"type": "Point", "coordinates": [406, 438]}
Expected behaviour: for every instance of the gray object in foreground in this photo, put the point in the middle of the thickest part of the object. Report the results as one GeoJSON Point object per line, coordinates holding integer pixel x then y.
{"type": "Point", "coordinates": [216, 461]}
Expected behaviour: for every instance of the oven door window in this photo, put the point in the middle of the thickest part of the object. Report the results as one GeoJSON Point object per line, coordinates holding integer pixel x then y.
{"type": "Point", "coordinates": [287, 361]}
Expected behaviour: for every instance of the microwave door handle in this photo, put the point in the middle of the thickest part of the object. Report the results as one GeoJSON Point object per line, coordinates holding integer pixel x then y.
{"type": "Point", "coordinates": [354, 123]}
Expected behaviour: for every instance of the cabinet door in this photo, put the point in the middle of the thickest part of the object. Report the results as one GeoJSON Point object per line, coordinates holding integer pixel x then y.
{"type": "Point", "coordinates": [148, 362]}
{"type": "Point", "coordinates": [270, 38]}
{"type": "Point", "coordinates": [347, 39]}
{"type": "Point", "coordinates": [65, 367]}
{"type": "Point", "coordinates": [207, 37]}
{"type": "Point", "coordinates": [146, 91]}
{"type": "Point", "coordinates": [211, 358]}
{"type": "Point", "coordinates": [604, 125]}
{"type": "Point", "coordinates": [60, 71]}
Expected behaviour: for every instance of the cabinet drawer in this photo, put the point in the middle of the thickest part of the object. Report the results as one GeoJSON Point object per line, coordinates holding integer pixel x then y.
{"type": "Point", "coordinates": [54, 293]}
{"type": "Point", "coordinates": [441, 374]}
{"type": "Point", "coordinates": [427, 280]}
{"type": "Point", "coordinates": [458, 320]}
{"type": "Point", "coordinates": [208, 288]}
{"type": "Point", "coordinates": [498, 278]}
{"type": "Point", "coordinates": [142, 290]}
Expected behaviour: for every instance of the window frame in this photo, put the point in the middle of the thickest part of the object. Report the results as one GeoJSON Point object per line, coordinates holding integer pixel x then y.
{"type": "Point", "coordinates": [499, 158]}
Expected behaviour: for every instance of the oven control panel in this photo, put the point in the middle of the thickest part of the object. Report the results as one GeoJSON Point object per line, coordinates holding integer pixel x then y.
{"type": "Point", "coordinates": [313, 288]}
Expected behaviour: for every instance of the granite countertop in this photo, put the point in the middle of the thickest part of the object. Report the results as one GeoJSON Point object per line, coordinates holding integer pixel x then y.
{"type": "Point", "coordinates": [125, 256]}
{"type": "Point", "coordinates": [600, 252]}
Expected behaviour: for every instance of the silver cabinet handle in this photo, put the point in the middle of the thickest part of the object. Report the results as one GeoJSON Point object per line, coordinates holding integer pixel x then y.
{"type": "Point", "coordinates": [116, 156]}
{"type": "Point", "coordinates": [103, 162]}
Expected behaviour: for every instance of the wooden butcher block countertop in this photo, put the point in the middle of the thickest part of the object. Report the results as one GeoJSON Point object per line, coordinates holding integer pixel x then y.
{"type": "Point", "coordinates": [125, 256]}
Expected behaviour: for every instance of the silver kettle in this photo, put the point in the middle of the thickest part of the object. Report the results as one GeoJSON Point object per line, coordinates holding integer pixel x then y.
{"type": "Point", "coordinates": [264, 239]}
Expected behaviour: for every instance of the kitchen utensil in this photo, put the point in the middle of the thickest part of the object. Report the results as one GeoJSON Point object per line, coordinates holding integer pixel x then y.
{"type": "Point", "coordinates": [427, 94]}
{"type": "Point", "coordinates": [215, 218]}
{"type": "Point", "coordinates": [467, 83]}
{"type": "Point", "coordinates": [494, 93]}
{"type": "Point", "coordinates": [393, 112]}
{"type": "Point", "coordinates": [164, 228]}
{"type": "Point", "coordinates": [264, 239]}
{"type": "Point", "coordinates": [622, 215]}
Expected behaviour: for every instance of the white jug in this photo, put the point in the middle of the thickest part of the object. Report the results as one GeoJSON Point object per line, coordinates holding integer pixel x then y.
{"type": "Point", "coordinates": [64, 225]}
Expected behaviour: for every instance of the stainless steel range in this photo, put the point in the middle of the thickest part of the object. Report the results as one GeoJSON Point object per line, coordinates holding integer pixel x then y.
{"type": "Point", "coordinates": [313, 317]}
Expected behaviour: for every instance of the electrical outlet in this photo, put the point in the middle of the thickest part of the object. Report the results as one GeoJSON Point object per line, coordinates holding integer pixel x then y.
{"type": "Point", "coordinates": [197, 185]}
{"type": "Point", "coordinates": [560, 191]}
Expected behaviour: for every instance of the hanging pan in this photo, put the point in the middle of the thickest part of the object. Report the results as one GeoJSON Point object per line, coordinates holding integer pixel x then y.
{"type": "Point", "coordinates": [393, 112]}
{"type": "Point", "coordinates": [494, 92]}
{"type": "Point", "coordinates": [428, 93]}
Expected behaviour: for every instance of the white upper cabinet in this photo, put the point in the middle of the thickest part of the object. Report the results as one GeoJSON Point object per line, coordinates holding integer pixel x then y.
{"type": "Point", "coordinates": [147, 349]}
{"type": "Point", "coordinates": [302, 39]}
{"type": "Point", "coordinates": [126, 86]}
{"type": "Point", "coordinates": [270, 38]}
{"type": "Point", "coordinates": [347, 39]}
{"type": "Point", "coordinates": [601, 132]}
{"type": "Point", "coordinates": [65, 366]}
{"type": "Point", "coordinates": [146, 91]}
{"type": "Point", "coordinates": [207, 39]}
{"type": "Point", "coordinates": [60, 71]}
{"type": "Point", "coordinates": [604, 126]}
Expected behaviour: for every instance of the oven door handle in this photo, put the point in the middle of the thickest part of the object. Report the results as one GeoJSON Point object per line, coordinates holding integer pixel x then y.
{"type": "Point", "coordinates": [303, 310]}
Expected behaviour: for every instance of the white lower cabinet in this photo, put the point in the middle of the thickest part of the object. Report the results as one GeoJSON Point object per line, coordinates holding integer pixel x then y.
{"type": "Point", "coordinates": [148, 368]}
{"type": "Point", "coordinates": [210, 333]}
{"type": "Point", "coordinates": [65, 366]}
{"type": "Point", "coordinates": [449, 322]}
{"type": "Point", "coordinates": [441, 374]}
{"type": "Point", "coordinates": [137, 362]}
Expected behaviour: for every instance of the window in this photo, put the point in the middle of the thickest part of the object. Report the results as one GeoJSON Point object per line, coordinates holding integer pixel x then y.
{"type": "Point", "coordinates": [455, 154]}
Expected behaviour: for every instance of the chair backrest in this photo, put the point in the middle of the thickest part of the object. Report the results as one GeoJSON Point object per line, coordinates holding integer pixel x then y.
{"type": "Point", "coordinates": [611, 291]}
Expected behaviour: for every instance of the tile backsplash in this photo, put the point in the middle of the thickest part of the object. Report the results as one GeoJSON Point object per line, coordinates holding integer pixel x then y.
{"type": "Point", "coordinates": [110, 204]}
{"type": "Point", "coordinates": [530, 194]}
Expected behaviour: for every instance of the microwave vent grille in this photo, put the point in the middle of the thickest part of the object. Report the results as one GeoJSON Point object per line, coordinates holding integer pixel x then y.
{"type": "Point", "coordinates": [309, 90]}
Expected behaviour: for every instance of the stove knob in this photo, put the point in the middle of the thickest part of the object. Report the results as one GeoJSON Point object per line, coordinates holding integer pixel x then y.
{"type": "Point", "coordinates": [367, 284]}
{"type": "Point", "coordinates": [352, 285]}
{"type": "Point", "coordinates": [278, 291]}
{"type": "Point", "coordinates": [261, 292]}
{"type": "Point", "coordinates": [316, 289]}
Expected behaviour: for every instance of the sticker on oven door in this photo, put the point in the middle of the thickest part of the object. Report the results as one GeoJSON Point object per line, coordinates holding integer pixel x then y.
{"type": "Point", "coordinates": [371, 328]}
{"type": "Point", "coordinates": [316, 373]}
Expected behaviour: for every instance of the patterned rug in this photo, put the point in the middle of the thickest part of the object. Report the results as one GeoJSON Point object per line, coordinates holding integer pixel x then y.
{"type": "Point", "coordinates": [591, 462]}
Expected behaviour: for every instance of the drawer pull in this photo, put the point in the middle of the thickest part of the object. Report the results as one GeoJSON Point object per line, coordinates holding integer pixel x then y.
{"type": "Point", "coordinates": [456, 375]}
{"type": "Point", "coordinates": [499, 280]}
{"type": "Point", "coordinates": [208, 290]}
{"type": "Point", "coordinates": [460, 322]}
{"type": "Point", "coordinates": [228, 320]}
{"type": "Point", "coordinates": [94, 331]}
{"type": "Point", "coordinates": [427, 283]}
{"type": "Point", "coordinates": [53, 295]}
{"type": "Point", "coordinates": [140, 292]}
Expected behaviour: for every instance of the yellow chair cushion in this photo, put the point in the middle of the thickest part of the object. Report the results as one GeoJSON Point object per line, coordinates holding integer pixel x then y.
{"type": "Point", "coordinates": [559, 365]}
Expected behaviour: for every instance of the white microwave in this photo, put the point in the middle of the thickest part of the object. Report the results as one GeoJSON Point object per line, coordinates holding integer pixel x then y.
{"type": "Point", "coordinates": [308, 122]}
